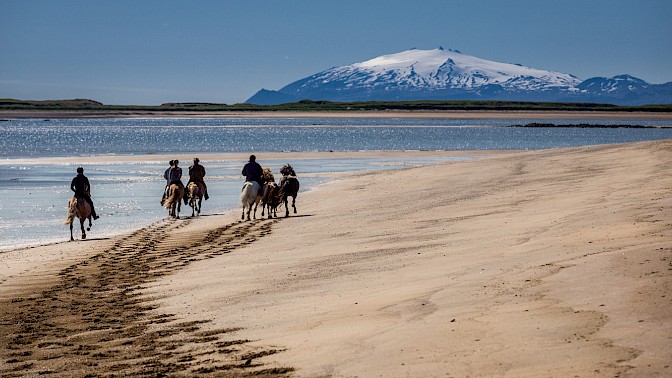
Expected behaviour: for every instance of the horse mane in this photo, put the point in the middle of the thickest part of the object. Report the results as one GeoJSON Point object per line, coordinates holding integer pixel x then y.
{"type": "Point", "coordinates": [268, 175]}
{"type": "Point", "coordinates": [287, 170]}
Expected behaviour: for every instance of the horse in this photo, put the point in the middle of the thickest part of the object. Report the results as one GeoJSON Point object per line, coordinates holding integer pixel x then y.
{"type": "Point", "coordinates": [196, 192]}
{"type": "Point", "coordinates": [248, 197]}
{"type": "Point", "coordinates": [173, 198]}
{"type": "Point", "coordinates": [267, 179]}
{"type": "Point", "coordinates": [270, 199]}
{"type": "Point", "coordinates": [289, 187]}
{"type": "Point", "coordinates": [78, 207]}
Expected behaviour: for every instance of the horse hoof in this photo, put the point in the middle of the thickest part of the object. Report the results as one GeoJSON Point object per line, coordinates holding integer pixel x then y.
{"type": "Point", "coordinates": [88, 229]}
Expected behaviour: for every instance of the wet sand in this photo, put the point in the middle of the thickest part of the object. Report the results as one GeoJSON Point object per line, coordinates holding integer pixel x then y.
{"type": "Point", "coordinates": [543, 263]}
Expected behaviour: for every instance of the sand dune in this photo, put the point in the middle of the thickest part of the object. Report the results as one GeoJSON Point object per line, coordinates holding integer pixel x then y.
{"type": "Point", "coordinates": [546, 263]}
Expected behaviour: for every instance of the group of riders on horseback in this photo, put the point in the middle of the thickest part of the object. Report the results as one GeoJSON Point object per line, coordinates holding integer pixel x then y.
{"type": "Point", "coordinates": [260, 186]}
{"type": "Point", "coordinates": [260, 179]}
{"type": "Point", "coordinates": [173, 175]}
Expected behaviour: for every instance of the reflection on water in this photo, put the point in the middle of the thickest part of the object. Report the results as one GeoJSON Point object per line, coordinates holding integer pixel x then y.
{"type": "Point", "coordinates": [34, 138]}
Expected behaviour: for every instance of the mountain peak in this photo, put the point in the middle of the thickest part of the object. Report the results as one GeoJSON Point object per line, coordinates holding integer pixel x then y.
{"type": "Point", "coordinates": [445, 74]}
{"type": "Point", "coordinates": [442, 68]}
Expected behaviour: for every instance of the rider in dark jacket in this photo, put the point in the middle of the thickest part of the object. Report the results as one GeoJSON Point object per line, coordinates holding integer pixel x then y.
{"type": "Point", "coordinates": [80, 185]}
{"type": "Point", "coordinates": [253, 171]}
{"type": "Point", "coordinates": [174, 176]}
{"type": "Point", "coordinates": [196, 175]}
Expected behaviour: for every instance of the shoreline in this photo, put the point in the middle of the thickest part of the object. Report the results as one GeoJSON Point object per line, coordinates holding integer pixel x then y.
{"type": "Point", "coordinates": [506, 265]}
{"type": "Point", "coordinates": [237, 156]}
{"type": "Point", "coordinates": [476, 114]}
{"type": "Point", "coordinates": [115, 223]}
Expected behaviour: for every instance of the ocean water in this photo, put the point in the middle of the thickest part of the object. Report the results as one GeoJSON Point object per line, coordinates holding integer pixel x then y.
{"type": "Point", "coordinates": [36, 138]}
{"type": "Point", "coordinates": [33, 196]}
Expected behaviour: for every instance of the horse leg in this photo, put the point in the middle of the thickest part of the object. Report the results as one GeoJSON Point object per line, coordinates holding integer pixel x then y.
{"type": "Point", "coordinates": [89, 228]}
{"type": "Point", "coordinates": [286, 208]}
{"type": "Point", "coordinates": [294, 204]}
{"type": "Point", "coordinates": [71, 238]}
{"type": "Point", "coordinates": [200, 200]}
{"type": "Point", "coordinates": [81, 224]}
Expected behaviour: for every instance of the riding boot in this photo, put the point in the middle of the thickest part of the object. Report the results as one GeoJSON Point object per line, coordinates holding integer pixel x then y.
{"type": "Point", "coordinates": [206, 196]}
{"type": "Point", "coordinates": [93, 213]}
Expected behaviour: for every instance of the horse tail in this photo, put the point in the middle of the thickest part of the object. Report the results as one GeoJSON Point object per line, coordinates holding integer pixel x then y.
{"type": "Point", "coordinates": [72, 209]}
{"type": "Point", "coordinates": [173, 195]}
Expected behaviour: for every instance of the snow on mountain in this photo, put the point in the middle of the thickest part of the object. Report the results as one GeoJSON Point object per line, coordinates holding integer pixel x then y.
{"type": "Point", "coordinates": [616, 84]}
{"type": "Point", "coordinates": [450, 75]}
{"type": "Point", "coordinates": [437, 69]}
{"type": "Point", "coordinates": [440, 69]}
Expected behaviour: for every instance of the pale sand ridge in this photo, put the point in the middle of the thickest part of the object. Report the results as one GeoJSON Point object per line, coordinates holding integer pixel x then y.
{"type": "Point", "coordinates": [545, 263]}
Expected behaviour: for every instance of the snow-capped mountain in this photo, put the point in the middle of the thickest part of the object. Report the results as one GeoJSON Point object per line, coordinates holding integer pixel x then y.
{"type": "Point", "coordinates": [447, 75]}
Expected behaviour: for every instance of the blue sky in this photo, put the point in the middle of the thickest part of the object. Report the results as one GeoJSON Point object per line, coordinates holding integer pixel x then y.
{"type": "Point", "coordinates": [151, 52]}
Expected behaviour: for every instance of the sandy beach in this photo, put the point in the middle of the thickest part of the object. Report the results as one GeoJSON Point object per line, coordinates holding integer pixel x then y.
{"type": "Point", "coordinates": [550, 263]}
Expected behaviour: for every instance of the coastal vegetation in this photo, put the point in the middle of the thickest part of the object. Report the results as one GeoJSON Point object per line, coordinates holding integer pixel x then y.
{"type": "Point", "coordinates": [310, 105]}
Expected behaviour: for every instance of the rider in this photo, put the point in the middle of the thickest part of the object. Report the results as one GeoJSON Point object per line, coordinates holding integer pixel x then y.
{"type": "Point", "coordinates": [196, 174]}
{"type": "Point", "coordinates": [80, 185]}
{"type": "Point", "coordinates": [253, 171]}
{"type": "Point", "coordinates": [173, 175]}
{"type": "Point", "coordinates": [166, 175]}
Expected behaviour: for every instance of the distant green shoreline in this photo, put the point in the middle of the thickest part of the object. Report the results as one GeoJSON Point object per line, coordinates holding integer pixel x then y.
{"type": "Point", "coordinates": [326, 106]}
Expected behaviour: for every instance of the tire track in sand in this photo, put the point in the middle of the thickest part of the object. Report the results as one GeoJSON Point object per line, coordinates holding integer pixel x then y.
{"type": "Point", "coordinates": [95, 321]}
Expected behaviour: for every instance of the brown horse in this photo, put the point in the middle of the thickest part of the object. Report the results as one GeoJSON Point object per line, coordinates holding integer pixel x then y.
{"type": "Point", "coordinates": [172, 203]}
{"type": "Point", "coordinates": [196, 192]}
{"type": "Point", "coordinates": [289, 187]}
{"type": "Point", "coordinates": [78, 207]}
{"type": "Point", "coordinates": [267, 179]}
{"type": "Point", "coordinates": [271, 199]}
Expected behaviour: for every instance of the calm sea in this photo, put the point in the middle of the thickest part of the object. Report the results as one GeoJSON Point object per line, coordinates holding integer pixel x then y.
{"type": "Point", "coordinates": [36, 138]}
{"type": "Point", "coordinates": [33, 196]}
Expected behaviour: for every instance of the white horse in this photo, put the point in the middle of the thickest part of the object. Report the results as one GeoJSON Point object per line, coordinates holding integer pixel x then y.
{"type": "Point", "coordinates": [248, 197]}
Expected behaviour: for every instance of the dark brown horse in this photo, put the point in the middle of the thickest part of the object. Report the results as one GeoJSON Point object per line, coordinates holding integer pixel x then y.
{"type": "Point", "coordinates": [196, 192]}
{"type": "Point", "coordinates": [172, 202]}
{"type": "Point", "coordinates": [271, 199]}
{"type": "Point", "coordinates": [268, 184]}
{"type": "Point", "coordinates": [289, 187]}
{"type": "Point", "coordinates": [78, 207]}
